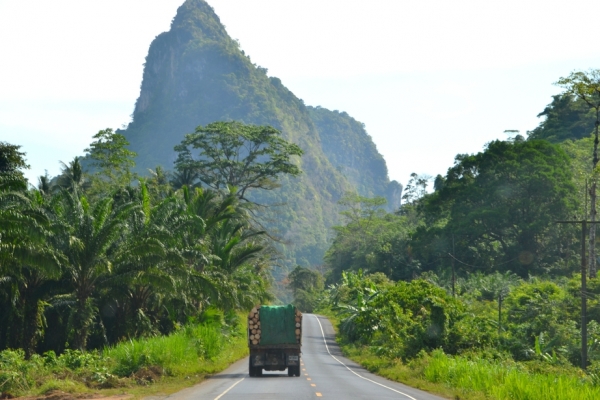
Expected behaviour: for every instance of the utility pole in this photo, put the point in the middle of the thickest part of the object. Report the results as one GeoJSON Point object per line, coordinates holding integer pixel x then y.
{"type": "Point", "coordinates": [453, 273]}
{"type": "Point", "coordinates": [583, 289]}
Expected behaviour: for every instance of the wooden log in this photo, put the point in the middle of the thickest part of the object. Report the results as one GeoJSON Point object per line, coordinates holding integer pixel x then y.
{"type": "Point", "coordinates": [298, 319]}
{"type": "Point", "coordinates": [257, 336]}
{"type": "Point", "coordinates": [297, 331]}
{"type": "Point", "coordinates": [254, 331]}
{"type": "Point", "coordinates": [255, 342]}
{"type": "Point", "coordinates": [253, 311]}
{"type": "Point", "coordinates": [258, 331]}
{"type": "Point", "coordinates": [252, 337]}
{"type": "Point", "coordinates": [297, 324]}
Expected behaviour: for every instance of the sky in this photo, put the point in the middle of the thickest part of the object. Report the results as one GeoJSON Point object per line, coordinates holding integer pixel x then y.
{"type": "Point", "coordinates": [429, 79]}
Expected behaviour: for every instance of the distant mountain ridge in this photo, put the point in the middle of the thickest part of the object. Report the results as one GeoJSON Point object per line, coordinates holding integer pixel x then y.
{"type": "Point", "coordinates": [196, 74]}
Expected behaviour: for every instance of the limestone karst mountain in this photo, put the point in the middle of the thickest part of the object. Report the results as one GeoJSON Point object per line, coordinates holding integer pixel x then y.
{"type": "Point", "coordinates": [196, 74]}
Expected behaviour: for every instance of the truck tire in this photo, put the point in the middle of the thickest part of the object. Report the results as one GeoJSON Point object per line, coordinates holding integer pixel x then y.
{"type": "Point", "coordinates": [291, 371]}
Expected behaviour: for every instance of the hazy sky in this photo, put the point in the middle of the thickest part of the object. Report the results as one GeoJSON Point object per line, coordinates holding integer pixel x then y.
{"type": "Point", "coordinates": [429, 79]}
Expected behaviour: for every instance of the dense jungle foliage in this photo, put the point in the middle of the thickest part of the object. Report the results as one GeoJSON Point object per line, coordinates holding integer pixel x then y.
{"type": "Point", "coordinates": [473, 286]}
{"type": "Point", "coordinates": [88, 260]}
{"type": "Point", "coordinates": [492, 219]}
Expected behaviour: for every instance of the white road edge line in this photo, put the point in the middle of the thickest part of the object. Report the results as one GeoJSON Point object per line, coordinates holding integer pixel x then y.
{"type": "Point", "coordinates": [348, 368]}
{"type": "Point", "coordinates": [228, 389]}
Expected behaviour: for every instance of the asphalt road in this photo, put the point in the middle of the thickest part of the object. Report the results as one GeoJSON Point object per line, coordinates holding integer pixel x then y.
{"type": "Point", "coordinates": [325, 373]}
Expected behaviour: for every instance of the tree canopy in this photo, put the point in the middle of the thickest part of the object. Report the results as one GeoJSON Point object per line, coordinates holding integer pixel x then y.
{"type": "Point", "coordinates": [232, 154]}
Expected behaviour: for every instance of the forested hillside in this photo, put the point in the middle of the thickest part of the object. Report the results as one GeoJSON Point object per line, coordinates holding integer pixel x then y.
{"type": "Point", "coordinates": [478, 285]}
{"type": "Point", "coordinates": [196, 74]}
{"type": "Point", "coordinates": [141, 255]}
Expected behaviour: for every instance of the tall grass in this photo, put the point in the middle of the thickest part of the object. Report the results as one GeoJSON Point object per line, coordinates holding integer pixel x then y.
{"type": "Point", "coordinates": [472, 377]}
{"type": "Point", "coordinates": [193, 350]}
{"type": "Point", "coordinates": [503, 381]}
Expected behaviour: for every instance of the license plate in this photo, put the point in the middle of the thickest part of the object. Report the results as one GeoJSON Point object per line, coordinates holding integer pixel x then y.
{"type": "Point", "coordinates": [293, 358]}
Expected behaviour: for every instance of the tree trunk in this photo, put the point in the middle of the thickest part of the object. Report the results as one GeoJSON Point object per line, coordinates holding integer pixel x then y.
{"type": "Point", "coordinates": [31, 320]}
{"type": "Point", "coordinates": [79, 324]}
{"type": "Point", "coordinates": [499, 313]}
{"type": "Point", "coordinates": [592, 254]}
{"type": "Point", "coordinates": [592, 236]}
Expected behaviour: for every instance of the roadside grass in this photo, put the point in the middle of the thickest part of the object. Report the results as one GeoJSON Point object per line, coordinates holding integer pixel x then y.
{"type": "Point", "coordinates": [138, 367]}
{"type": "Point", "coordinates": [475, 378]}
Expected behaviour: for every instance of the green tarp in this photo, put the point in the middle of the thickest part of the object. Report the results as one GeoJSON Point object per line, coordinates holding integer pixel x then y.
{"type": "Point", "coordinates": [277, 324]}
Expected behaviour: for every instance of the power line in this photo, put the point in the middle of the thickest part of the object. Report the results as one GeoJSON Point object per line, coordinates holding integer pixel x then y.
{"type": "Point", "coordinates": [474, 266]}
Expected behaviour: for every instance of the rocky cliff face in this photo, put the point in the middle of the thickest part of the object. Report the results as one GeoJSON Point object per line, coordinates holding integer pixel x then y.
{"type": "Point", "coordinates": [196, 74]}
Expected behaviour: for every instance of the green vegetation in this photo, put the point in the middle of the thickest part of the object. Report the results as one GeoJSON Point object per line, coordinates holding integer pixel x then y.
{"type": "Point", "coordinates": [234, 155]}
{"type": "Point", "coordinates": [565, 118]}
{"type": "Point", "coordinates": [108, 278]}
{"type": "Point", "coordinates": [479, 378]}
{"type": "Point", "coordinates": [196, 75]}
{"type": "Point", "coordinates": [473, 290]}
{"type": "Point", "coordinates": [193, 350]}
{"type": "Point", "coordinates": [417, 333]}
{"type": "Point", "coordinates": [307, 286]}
{"type": "Point", "coordinates": [145, 276]}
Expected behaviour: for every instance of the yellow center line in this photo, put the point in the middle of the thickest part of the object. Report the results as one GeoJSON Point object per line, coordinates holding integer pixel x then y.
{"type": "Point", "coordinates": [305, 374]}
{"type": "Point", "coordinates": [313, 385]}
{"type": "Point", "coordinates": [319, 394]}
{"type": "Point", "coordinates": [308, 379]}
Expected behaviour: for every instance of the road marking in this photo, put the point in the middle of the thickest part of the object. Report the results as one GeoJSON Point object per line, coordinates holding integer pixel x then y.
{"type": "Point", "coordinates": [228, 389]}
{"type": "Point", "coordinates": [305, 374]}
{"type": "Point", "coordinates": [308, 379]}
{"type": "Point", "coordinates": [348, 368]}
{"type": "Point", "coordinates": [313, 385]}
{"type": "Point", "coordinates": [303, 369]}
{"type": "Point", "coordinates": [319, 394]}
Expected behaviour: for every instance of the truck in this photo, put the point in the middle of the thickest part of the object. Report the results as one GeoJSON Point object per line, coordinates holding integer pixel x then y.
{"type": "Point", "coordinates": [274, 339]}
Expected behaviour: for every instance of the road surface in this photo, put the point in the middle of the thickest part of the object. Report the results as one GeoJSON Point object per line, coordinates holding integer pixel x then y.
{"type": "Point", "coordinates": [325, 374]}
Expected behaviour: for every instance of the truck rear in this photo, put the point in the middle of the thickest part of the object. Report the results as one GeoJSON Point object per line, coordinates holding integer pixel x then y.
{"type": "Point", "coordinates": [274, 339]}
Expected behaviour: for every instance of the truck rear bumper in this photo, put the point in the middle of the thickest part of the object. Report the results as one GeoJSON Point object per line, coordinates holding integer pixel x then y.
{"type": "Point", "coordinates": [274, 360]}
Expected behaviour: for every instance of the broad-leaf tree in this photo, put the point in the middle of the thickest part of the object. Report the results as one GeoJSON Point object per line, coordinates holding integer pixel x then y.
{"type": "Point", "coordinates": [110, 157]}
{"type": "Point", "coordinates": [232, 154]}
{"type": "Point", "coordinates": [586, 87]}
{"type": "Point", "coordinates": [503, 203]}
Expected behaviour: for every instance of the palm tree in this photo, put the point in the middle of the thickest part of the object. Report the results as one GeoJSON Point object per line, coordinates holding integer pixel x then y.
{"type": "Point", "coordinates": [185, 177]}
{"type": "Point", "coordinates": [86, 236]}
{"type": "Point", "coordinates": [159, 184]}
{"type": "Point", "coordinates": [27, 262]}
{"type": "Point", "coordinates": [72, 176]}
{"type": "Point", "coordinates": [148, 265]}
{"type": "Point", "coordinates": [45, 184]}
{"type": "Point", "coordinates": [496, 286]}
